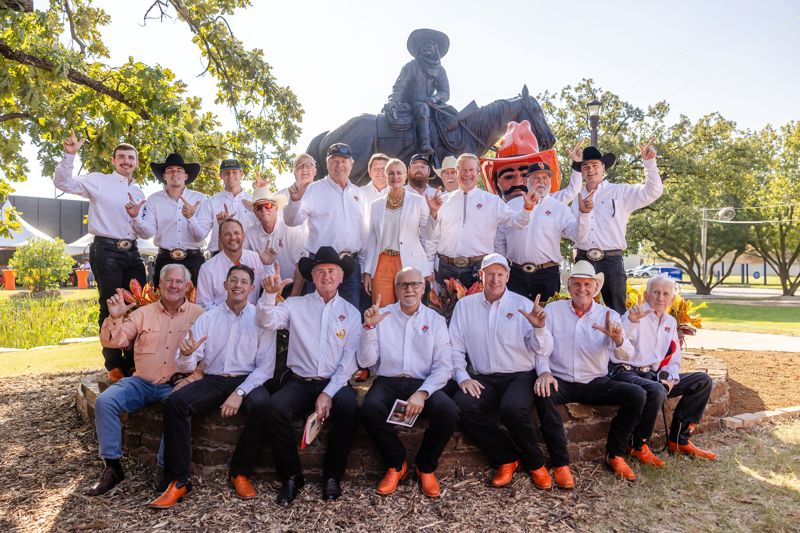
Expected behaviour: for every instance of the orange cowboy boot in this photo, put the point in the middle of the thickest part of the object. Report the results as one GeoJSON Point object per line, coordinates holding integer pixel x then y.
{"type": "Point", "coordinates": [646, 456]}
{"type": "Point", "coordinates": [243, 487]}
{"type": "Point", "coordinates": [504, 474]}
{"type": "Point", "coordinates": [429, 484]}
{"type": "Point", "coordinates": [175, 493]}
{"type": "Point", "coordinates": [620, 468]}
{"type": "Point", "coordinates": [541, 478]}
{"type": "Point", "coordinates": [115, 374]}
{"type": "Point", "coordinates": [564, 479]}
{"type": "Point", "coordinates": [690, 449]}
{"type": "Point", "coordinates": [391, 479]}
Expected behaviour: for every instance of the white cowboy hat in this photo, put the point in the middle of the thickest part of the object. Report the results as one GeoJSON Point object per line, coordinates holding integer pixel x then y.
{"type": "Point", "coordinates": [584, 269]}
{"type": "Point", "coordinates": [262, 194]}
{"type": "Point", "coordinates": [447, 162]}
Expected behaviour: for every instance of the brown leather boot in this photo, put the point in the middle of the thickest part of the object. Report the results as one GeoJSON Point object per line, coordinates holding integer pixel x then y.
{"type": "Point", "coordinates": [115, 374]}
{"type": "Point", "coordinates": [429, 484]}
{"type": "Point", "coordinates": [391, 479]}
{"type": "Point", "coordinates": [691, 450]}
{"type": "Point", "coordinates": [563, 476]}
{"type": "Point", "coordinates": [504, 474]}
{"type": "Point", "coordinates": [243, 487]}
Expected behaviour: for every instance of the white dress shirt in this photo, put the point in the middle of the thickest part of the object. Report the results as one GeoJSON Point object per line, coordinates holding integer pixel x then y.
{"type": "Point", "coordinates": [416, 346]}
{"type": "Point", "coordinates": [235, 346]}
{"type": "Point", "coordinates": [414, 244]}
{"type": "Point", "coordinates": [107, 194]}
{"type": "Point", "coordinates": [289, 243]}
{"type": "Point", "coordinates": [335, 216]}
{"type": "Point", "coordinates": [370, 194]}
{"type": "Point", "coordinates": [540, 241]}
{"type": "Point", "coordinates": [466, 224]}
{"type": "Point", "coordinates": [650, 338]}
{"type": "Point", "coordinates": [210, 289]}
{"type": "Point", "coordinates": [613, 205]}
{"type": "Point", "coordinates": [570, 348]}
{"type": "Point", "coordinates": [429, 191]}
{"type": "Point", "coordinates": [568, 193]}
{"type": "Point", "coordinates": [163, 217]}
{"type": "Point", "coordinates": [495, 335]}
{"type": "Point", "coordinates": [323, 337]}
{"type": "Point", "coordinates": [206, 215]}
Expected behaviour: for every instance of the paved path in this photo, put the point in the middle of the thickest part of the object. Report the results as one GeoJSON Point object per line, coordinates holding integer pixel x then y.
{"type": "Point", "coordinates": [739, 340]}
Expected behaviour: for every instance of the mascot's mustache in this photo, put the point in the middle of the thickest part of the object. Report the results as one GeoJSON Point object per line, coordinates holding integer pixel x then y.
{"type": "Point", "coordinates": [513, 188]}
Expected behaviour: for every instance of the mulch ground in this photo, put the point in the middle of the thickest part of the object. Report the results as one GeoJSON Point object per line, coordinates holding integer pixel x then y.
{"type": "Point", "coordinates": [760, 380]}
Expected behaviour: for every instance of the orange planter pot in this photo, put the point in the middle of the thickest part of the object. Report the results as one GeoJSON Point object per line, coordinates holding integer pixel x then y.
{"type": "Point", "coordinates": [9, 279]}
{"type": "Point", "coordinates": [83, 278]}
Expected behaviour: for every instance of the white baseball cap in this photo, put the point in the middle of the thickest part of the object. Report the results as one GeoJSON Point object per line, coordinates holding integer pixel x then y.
{"type": "Point", "coordinates": [495, 259]}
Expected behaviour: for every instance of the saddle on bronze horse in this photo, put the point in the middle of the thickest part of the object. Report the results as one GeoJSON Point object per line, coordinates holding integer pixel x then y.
{"type": "Point", "coordinates": [397, 130]}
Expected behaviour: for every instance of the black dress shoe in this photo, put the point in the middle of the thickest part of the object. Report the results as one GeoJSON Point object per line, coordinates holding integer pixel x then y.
{"type": "Point", "coordinates": [331, 489]}
{"type": "Point", "coordinates": [110, 478]}
{"type": "Point", "coordinates": [160, 482]}
{"type": "Point", "coordinates": [290, 489]}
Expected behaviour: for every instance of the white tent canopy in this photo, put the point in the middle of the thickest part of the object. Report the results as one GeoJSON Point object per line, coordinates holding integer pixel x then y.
{"type": "Point", "coordinates": [81, 246]}
{"type": "Point", "coordinates": [21, 236]}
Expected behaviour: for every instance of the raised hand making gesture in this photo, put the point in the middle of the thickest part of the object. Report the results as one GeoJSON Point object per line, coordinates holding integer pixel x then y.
{"type": "Point", "coordinates": [531, 199]}
{"type": "Point", "coordinates": [72, 145]}
{"type": "Point", "coordinates": [259, 182]}
{"type": "Point", "coordinates": [647, 150]}
{"type": "Point", "coordinates": [638, 312]}
{"type": "Point", "coordinates": [611, 329]}
{"type": "Point", "coordinates": [224, 215]}
{"type": "Point", "coordinates": [586, 203]}
{"type": "Point", "coordinates": [297, 190]}
{"type": "Point", "coordinates": [536, 315]}
{"type": "Point", "coordinates": [273, 284]}
{"type": "Point", "coordinates": [268, 254]}
{"type": "Point", "coordinates": [373, 315]}
{"type": "Point", "coordinates": [132, 207]}
{"type": "Point", "coordinates": [117, 306]}
{"type": "Point", "coordinates": [434, 201]}
{"type": "Point", "coordinates": [576, 154]}
{"type": "Point", "coordinates": [189, 344]}
{"type": "Point", "coordinates": [188, 208]}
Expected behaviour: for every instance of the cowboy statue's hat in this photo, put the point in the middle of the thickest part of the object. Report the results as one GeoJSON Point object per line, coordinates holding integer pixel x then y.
{"type": "Point", "coordinates": [519, 148]}
{"type": "Point", "coordinates": [421, 35]}
{"type": "Point", "coordinates": [175, 160]}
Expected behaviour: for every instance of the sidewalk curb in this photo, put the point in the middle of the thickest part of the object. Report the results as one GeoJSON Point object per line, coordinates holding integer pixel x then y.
{"type": "Point", "coordinates": [746, 420]}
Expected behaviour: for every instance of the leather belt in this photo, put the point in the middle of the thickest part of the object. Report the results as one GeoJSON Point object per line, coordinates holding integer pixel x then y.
{"type": "Point", "coordinates": [313, 379]}
{"type": "Point", "coordinates": [354, 255]}
{"type": "Point", "coordinates": [530, 268]}
{"type": "Point", "coordinates": [178, 254]}
{"type": "Point", "coordinates": [390, 252]}
{"type": "Point", "coordinates": [596, 254]}
{"type": "Point", "coordinates": [461, 261]}
{"type": "Point", "coordinates": [120, 244]}
{"type": "Point", "coordinates": [639, 369]}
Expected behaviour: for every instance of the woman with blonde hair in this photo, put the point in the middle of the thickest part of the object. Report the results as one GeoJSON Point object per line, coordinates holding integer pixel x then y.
{"type": "Point", "coordinates": [398, 236]}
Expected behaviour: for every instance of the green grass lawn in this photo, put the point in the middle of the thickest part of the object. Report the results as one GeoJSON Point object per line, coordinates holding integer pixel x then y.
{"type": "Point", "coordinates": [752, 318]}
{"type": "Point", "coordinates": [69, 357]}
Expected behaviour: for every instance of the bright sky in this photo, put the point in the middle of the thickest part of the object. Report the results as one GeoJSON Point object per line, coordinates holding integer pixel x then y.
{"type": "Point", "coordinates": [738, 57]}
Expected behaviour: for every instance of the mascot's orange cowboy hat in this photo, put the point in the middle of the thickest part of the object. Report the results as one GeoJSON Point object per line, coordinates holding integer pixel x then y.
{"type": "Point", "coordinates": [518, 148]}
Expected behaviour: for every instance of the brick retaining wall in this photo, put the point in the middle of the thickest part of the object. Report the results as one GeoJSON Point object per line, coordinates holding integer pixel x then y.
{"type": "Point", "coordinates": [214, 438]}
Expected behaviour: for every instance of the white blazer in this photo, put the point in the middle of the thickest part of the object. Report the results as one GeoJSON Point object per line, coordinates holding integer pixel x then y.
{"type": "Point", "coordinates": [416, 248]}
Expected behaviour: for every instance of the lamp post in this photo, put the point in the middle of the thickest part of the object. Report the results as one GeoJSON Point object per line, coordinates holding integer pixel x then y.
{"type": "Point", "coordinates": [593, 108]}
{"type": "Point", "coordinates": [724, 215]}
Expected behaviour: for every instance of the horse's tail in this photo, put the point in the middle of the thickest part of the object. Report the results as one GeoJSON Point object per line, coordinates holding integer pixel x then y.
{"type": "Point", "coordinates": [314, 151]}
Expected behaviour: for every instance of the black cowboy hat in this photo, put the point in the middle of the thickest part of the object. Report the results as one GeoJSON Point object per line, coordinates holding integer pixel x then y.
{"type": "Point", "coordinates": [421, 35]}
{"type": "Point", "coordinates": [328, 256]}
{"type": "Point", "coordinates": [591, 153]}
{"type": "Point", "coordinates": [175, 160]}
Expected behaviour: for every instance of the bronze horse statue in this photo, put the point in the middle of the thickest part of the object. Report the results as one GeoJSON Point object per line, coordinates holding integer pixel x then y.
{"type": "Point", "coordinates": [475, 133]}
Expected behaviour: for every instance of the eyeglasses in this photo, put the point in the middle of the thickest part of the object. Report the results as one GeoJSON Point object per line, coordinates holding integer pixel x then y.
{"type": "Point", "coordinates": [301, 166]}
{"type": "Point", "coordinates": [412, 284]}
{"type": "Point", "coordinates": [266, 206]}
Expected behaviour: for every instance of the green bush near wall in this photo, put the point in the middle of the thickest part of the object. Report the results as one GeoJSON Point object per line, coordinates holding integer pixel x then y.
{"type": "Point", "coordinates": [28, 322]}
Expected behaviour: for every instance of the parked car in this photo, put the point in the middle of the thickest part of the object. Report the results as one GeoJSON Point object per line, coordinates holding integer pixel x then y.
{"type": "Point", "coordinates": [673, 272]}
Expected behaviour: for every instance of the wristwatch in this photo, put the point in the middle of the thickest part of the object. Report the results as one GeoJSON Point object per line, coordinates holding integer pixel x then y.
{"type": "Point", "coordinates": [240, 393]}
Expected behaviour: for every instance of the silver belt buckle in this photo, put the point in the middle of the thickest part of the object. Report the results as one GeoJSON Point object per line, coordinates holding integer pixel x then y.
{"type": "Point", "coordinates": [177, 254]}
{"type": "Point", "coordinates": [644, 368]}
{"type": "Point", "coordinates": [124, 244]}
{"type": "Point", "coordinates": [345, 254]}
{"type": "Point", "coordinates": [461, 261]}
{"type": "Point", "coordinates": [530, 268]}
{"type": "Point", "coordinates": [595, 254]}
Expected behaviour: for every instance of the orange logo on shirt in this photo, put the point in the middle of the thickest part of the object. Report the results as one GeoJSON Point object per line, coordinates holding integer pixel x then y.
{"type": "Point", "coordinates": [340, 333]}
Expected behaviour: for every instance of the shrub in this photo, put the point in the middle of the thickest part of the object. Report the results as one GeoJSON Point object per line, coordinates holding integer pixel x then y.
{"type": "Point", "coordinates": [28, 322]}
{"type": "Point", "coordinates": [41, 265]}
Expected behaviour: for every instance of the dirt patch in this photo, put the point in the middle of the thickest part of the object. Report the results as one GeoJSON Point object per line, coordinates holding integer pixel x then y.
{"type": "Point", "coordinates": [759, 380]}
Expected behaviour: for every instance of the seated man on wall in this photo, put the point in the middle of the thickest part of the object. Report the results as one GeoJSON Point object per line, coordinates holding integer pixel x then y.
{"type": "Point", "coordinates": [156, 331]}
{"type": "Point", "coordinates": [238, 357]}
{"type": "Point", "coordinates": [409, 346]}
{"type": "Point", "coordinates": [655, 366]}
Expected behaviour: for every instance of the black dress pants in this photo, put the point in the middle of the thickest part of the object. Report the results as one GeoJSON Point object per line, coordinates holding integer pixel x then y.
{"type": "Point", "coordinates": [192, 261]}
{"type": "Point", "coordinates": [693, 388]}
{"type": "Point", "coordinates": [198, 398]}
{"type": "Point", "coordinates": [512, 395]}
{"type": "Point", "coordinates": [615, 287]}
{"type": "Point", "coordinates": [114, 269]}
{"type": "Point", "coordinates": [440, 411]}
{"type": "Point", "coordinates": [545, 282]}
{"type": "Point", "coordinates": [297, 399]}
{"type": "Point", "coordinates": [599, 391]}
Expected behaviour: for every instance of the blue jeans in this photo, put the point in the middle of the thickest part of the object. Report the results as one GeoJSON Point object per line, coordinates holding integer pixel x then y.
{"type": "Point", "coordinates": [125, 396]}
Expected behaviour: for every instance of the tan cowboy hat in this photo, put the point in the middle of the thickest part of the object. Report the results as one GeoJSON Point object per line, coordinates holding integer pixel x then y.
{"type": "Point", "coordinates": [447, 163]}
{"type": "Point", "coordinates": [263, 194]}
{"type": "Point", "coordinates": [584, 269]}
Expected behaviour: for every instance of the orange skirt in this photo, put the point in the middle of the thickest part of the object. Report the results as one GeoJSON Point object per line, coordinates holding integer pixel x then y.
{"type": "Point", "coordinates": [383, 280]}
